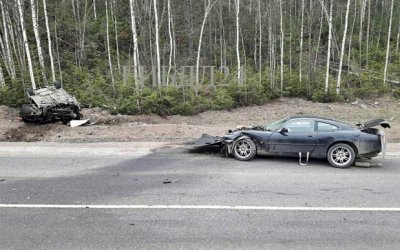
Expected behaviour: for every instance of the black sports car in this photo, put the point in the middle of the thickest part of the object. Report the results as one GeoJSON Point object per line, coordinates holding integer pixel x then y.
{"type": "Point", "coordinates": [310, 136]}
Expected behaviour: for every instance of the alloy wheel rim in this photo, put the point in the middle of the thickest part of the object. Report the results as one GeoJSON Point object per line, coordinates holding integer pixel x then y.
{"type": "Point", "coordinates": [243, 149]}
{"type": "Point", "coordinates": [341, 156]}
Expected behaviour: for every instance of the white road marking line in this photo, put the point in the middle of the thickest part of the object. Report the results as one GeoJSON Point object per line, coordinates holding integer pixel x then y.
{"type": "Point", "coordinates": [215, 207]}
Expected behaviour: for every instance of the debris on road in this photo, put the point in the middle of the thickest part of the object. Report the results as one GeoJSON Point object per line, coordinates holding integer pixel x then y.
{"type": "Point", "coordinates": [2, 180]}
{"type": "Point", "coordinates": [76, 123]}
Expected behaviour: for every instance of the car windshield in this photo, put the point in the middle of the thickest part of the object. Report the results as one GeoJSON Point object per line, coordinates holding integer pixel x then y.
{"type": "Point", "coordinates": [276, 124]}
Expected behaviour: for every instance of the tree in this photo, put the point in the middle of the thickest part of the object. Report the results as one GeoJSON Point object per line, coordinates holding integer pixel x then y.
{"type": "Point", "coordinates": [328, 57]}
{"type": "Point", "coordinates": [388, 44]}
{"type": "Point", "coordinates": [342, 48]}
{"type": "Point", "coordinates": [25, 39]}
{"type": "Point", "coordinates": [37, 38]}
{"type": "Point", "coordinates": [239, 77]}
{"type": "Point", "coordinates": [53, 74]}
{"type": "Point", "coordinates": [135, 42]}
{"type": "Point", "coordinates": [108, 49]}
{"type": "Point", "coordinates": [157, 42]}
{"type": "Point", "coordinates": [208, 6]}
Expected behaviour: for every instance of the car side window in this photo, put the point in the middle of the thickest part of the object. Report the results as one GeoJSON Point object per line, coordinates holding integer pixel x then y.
{"type": "Point", "coordinates": [322, 126]}
{"type": "Point", "coordinates": [300, 126]}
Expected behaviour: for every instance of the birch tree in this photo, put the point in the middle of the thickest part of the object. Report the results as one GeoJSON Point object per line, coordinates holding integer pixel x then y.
{"type": "Point", "coordinates": [26, 44]}
{"type": "Point", "coordinates": [388, 43]}
{"type": "Point", "coordinates": [209, 5]}
{"type": "Point", "coordinates": [237, 42]}
{"type": "Point", "coordinates": [157, 42]}
{"type": "Point", "coordinates": [171, 42]}
{"type": "Point", "coordinates": [37, 38]}
{"type": "Point", "coordinates": [53, 74]}
{"type": "Point", "coordinates": [343, 48]}
{"type": "Point", "coordinates": [301, 40]}
{"type": "Point", "coordinates": [328, 57]}
{"type": "Point", "coordinates": [282, 41]}
{"type": "Point", "coordinates": [2, 82]}
{"type": "Point", "coordinates": [8, 59]}
{"type": "Point", "coordinates": [135, 42]}
{"type": "Point", "coordinates": [108, 48]}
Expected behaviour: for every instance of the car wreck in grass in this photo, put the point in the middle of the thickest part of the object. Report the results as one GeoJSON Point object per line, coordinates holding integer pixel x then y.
{"type": "Point", "coordinates": [306, 137]}
{"type": "Point", "coordinates": [50, 104]}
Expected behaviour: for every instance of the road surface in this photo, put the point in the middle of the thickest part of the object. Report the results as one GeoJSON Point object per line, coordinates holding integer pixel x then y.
{"type": "Point", "coordinates": [145, 196]}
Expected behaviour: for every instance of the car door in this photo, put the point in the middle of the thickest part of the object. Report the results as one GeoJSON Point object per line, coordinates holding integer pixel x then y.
{"type": "Point", "coordinates": [298, 137]}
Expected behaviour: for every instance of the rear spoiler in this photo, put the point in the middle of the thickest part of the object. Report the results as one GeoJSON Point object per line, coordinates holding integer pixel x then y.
{"type": "Point", "coordinates": [373, 123]}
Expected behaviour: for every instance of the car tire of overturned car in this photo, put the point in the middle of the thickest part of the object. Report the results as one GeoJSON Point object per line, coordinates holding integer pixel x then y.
{"type": "Point", "coordinates": [244, 149]}
{"type": "Point", "coordinates": [341, 155]}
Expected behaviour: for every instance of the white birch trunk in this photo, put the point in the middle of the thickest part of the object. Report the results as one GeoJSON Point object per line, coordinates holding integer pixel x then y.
{"type": "Point", "coordinates": [171, 45]}
{"type": "Point", "coordinates": [94, 10]}
{"type": "Point", "coordinates": [157, 42]}
{"type": "Point", "coordinates": [388, 44]}
{"type": "Point", "coordinates": [2, 82]}
{"type": "Point", "coordinates": [37, 38]}
{"type": "Point", "coordinates": [237, 43]}
{"type": "Point", "coordinates": [301, 40]}
{"type": "Point", "coordinates": [113, 10]}
{"type": "Point", "coordinates": [26, 45]}
{"type": "Point", "coordinates": [398, 38]}
{"type": "Point", "coordinates": [108, 48]}
{"type": "Point", "coordinates": [9, 62]}
{"type": "Point", "coordinates": [328, 57]}
{"type": "Point", "coordinates": [53, 74]}
{"type": "Point", "coordinates": [282, 40]}
{"type": "Point", "coordinates": [135, 43]}
{"type": "Point", "coordinates": [206, 12]}
{"type": "Point", "coordinates": [260, 40]}
{"type": "Point", "coordinates": [343, 48]}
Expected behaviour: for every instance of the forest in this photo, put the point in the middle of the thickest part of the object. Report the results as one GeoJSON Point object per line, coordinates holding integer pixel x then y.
{"type": "Point", "coordinates": [187, 56]}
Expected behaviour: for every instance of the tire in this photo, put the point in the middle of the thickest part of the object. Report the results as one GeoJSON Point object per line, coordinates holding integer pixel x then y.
{"type": "Point", "coordinates": [26, 110]}
{"type": "Point", "coordinates": [30, 91]}
{"type": "Point", "coordinates": [244, 149]}
{"type": "Point", "coordinates": [57, 85]}
{"type": "Point", "coordinates": [341, 155]}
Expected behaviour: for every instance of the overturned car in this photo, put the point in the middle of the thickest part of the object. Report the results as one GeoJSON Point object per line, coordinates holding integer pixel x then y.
{"type": "Point", "coordinates": [308, 136]}
{"type": "Point", "coordinates": [50, 104]}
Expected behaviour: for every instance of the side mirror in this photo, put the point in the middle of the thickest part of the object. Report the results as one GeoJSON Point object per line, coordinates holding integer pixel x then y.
{"type": "Point", "coordinates": [283, 130]}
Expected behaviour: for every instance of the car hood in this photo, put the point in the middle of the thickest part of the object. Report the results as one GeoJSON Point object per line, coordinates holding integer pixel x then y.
{"type": "Point", "coordinates": [373, 123]}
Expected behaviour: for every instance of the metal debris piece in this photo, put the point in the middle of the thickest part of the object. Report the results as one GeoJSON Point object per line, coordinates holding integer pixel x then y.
{"type": "Point", "coordinates": [76, 123]}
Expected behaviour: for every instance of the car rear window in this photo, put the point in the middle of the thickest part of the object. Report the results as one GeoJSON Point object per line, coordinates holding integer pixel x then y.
{"type": "Point", "coordinates": [322, 126]}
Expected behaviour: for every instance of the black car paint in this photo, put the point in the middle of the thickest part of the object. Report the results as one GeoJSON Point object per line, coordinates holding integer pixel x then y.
{"type": "Point", "coordinates": [317, 143]}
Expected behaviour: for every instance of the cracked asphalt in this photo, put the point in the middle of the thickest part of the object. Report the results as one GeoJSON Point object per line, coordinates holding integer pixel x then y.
{"type": "Point", "coordinates": [171, 176]}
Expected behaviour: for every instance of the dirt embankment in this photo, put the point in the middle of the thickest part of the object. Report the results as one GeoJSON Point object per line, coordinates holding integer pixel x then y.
{"type": "Point", "coordinates": [177, 128]}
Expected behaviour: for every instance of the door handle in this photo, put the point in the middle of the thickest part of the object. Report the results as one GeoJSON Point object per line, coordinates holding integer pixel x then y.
{"type": "Point", "coordinates": [310, 136]}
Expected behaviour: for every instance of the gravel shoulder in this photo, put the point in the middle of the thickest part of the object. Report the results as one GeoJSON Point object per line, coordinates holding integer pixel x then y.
{"type": "Point", "coordinates": [178, 129]}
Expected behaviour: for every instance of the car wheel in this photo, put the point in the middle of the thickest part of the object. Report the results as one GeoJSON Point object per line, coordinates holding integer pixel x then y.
{"type": "Point", "coordinates": [244, 149]}
{"type": "Point", "coordinates": [57, 84]}
{"type": "Point", "coordinates": [341, 155]}
{"type": "Point", "coordinates": [30, 91]}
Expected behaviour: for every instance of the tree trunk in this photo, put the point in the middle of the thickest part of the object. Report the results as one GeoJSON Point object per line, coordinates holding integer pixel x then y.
{"type": "Point", "coordinates": [282, 41]}
{"type": "Point", "coordinates": [9, 62]}
{"type": "Point", "coordinates": [171, 43]}
{"type": "Point", "coordinates": [114, 10]}
{"type": "Point", "coordinates": [135, 43]}
{"type": "Point", "coordinates": [237, 42]}
{"type": "Point", "coordinates": [2, 82]}
{"type": "Point", "coordinates": [37, 38]}
{"type": "Point", "coordinates": [206, 12]}
{"type": "Point", "coordinates": [157, 42]}
{"type": "Point", "coordinates": [53, 74]}
{"type": "Point", "coordinates": [343, 48]}
{"type": "Point", "coordinates": [388, 44]}
{"type": "Point", "coordinates": [301, 40]}
{"type": "Point", "coordinates": [328, 58]}
{"type": "Point", "coordinates": [108, 50]}
{"type": "Point", "coordinates": [25, 39]}
{"type": "Point", "coordinates": [94, 10]}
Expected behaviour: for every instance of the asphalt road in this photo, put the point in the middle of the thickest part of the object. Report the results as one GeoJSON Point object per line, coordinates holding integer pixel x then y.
{"type": "Point", "coordinates": [170, 199]}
